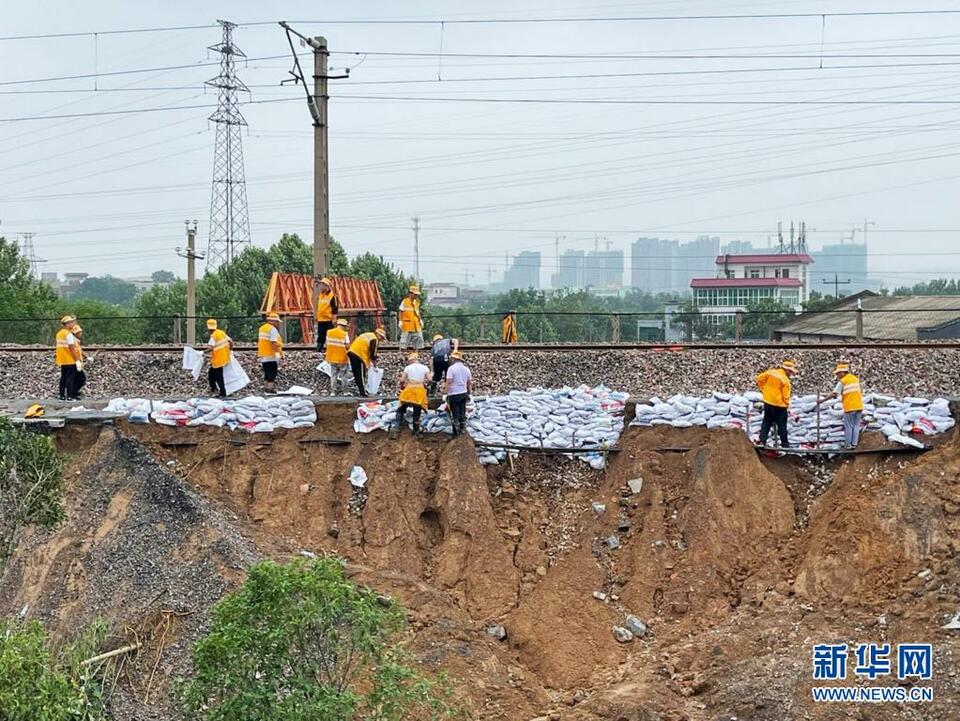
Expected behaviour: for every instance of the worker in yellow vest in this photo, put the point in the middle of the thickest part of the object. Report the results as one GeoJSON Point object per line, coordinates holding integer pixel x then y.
{"type": "Point", "coordinates": [326, 311]}
{"type": "Point", "coordinates": [851, 395]}
{"type": "Point", "coordinates": [338, 341]}
{"type": "Point", "coordinates": [508, 328]}
{"type": "Point", "coordinates": [219, 347]}
{"type": "Point", "coordinates": [270, 350]}
{"type": "Point", "coordinates": [411, 323]}
{"type": "Point", "coordinates": [82, 366]}
{"type": "Point", "coordinates": [774, 384]}
{"type": "Point", "coordinates": [363, 354]}
{"type": "Point", "coordinates": [68, 359]}
{"type": "Point", "coordinates": [413, 392]}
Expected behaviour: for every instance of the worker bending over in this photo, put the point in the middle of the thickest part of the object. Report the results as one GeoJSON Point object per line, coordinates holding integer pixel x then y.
{"type": "Point", "coordinates": [413, 392]}
{"type": "Point", "coordinates": [82, 364]}
{"type": "Point", "coordinates": [411, 323]}
{"type": "Point", "coordinates": [362, 354]}
{"type": "Point", "coordinates": [68, 358]}
{"type": "Point", "coordinates": [219, 346]}
{"type": "Point", "coordinates": [338, 341]}
{"type": "Point", "coordinates": [459, 387]}
{"type": "Point", "coordinates": [440, 351]}
{"type": "Point", "coordinates": [270, 350]}
{"type": "Point", "coordinates": [508, 328]}
{"type": "Point", "coordinates": [774, 384]}
{"type": "Point", "coordinates": [851, 395]}
{"type": "Point", "coordinates": [326, 313]}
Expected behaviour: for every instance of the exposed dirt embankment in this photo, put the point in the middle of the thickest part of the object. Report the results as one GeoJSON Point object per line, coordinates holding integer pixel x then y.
{"type": "Point", "coordinates": [737, 565]}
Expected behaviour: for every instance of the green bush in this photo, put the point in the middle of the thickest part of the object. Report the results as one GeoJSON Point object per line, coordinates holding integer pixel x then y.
{"type": "Point", "coordinates": [39, 682]}
{"type": "Point", "coordinates": [301, 642]}
{"type": "Point", "coordinates": [30, 484]}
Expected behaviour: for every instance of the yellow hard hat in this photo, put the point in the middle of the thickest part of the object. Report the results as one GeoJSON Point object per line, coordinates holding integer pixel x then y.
{"type": "Point", "coordinates": [381, 333]}
{"type": "Point", "coordinates": [76, 328]}
{"type": "Point", "coordinates": [343, 323]}
{"type": "Point", "coordinates": [457, 354]}
{"type": "Point", "coordinates": [326, 281]}
{"type": "Point", "coordinates": [211, 324]}
{"type": "Point", "coordinates": [789, 365]}
{"type": "Point", "coordinates": [842, 368]}
{"type": "Point", "coordinates": [273, 316]}
{"type": "Point", "coordinates": [415, 289]}
{"type": "Point", "coordinates": [412, 356]}
{"type": "Point", "coordinates": [438, 336]}
{"type": "Point", "coordinates": [68, 319]}
{"type": "Point", "coordinates": [34, 411]}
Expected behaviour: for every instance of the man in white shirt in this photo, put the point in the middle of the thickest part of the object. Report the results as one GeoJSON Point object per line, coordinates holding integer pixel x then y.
{"type": "Point", "coordinates": [413, 392]}
{"type": "Point", "coordinates": [459, 387]}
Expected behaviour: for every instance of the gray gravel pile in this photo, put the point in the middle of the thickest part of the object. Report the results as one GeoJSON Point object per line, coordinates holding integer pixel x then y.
{"type": "Point", "coordinates": [642, 373]}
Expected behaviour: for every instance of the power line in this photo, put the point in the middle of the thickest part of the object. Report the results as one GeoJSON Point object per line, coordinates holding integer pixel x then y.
{"type": "Point", "coordinates": [617, 101]}
{"type": "Point", "coordinates": [136, 111]}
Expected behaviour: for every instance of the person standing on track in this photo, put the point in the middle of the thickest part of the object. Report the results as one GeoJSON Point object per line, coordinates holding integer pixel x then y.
{"type": "Point", "coordinates": [459, 387]}
{"type": "Point", "coordinates": [411, 323]}
{"type": "Point", "coordinates": [82, 363]}
{"type": "Point", "coordinates": [338, 341]}
{"type": "Point", "coordinates": [270, 350]}
{"type": "Point", "coordinates": [68, 358]}
{"type": "Point", "coordinates": [362, 355]}
{"type": "Point", "coordinates": [508, 328]}
{"type": "Point", "coordinates": [219, 346]}
{"type": "Point", "coordinates": [440, 351]}
{"type": "Point", "coordinates": [326, 311]}
{"type": "Point", "coordinates": [413, 392]}
{"type": "Point", "coordinates": [774, 384]}
{"type": "Point", "coordinates": [851, 395]}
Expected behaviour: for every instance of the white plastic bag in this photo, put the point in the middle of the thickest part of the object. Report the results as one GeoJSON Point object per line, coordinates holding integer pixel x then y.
{"type": "Point", "coordinates": [358, 477]}
{"type": "Point", "coordinates": [192, 361]}
{"type": "Point", "coordinates": [324, 367]}
{"type": "Point", "coordinates": [234, 377]}
{"type": "Point", "coordinates": [374, 377]}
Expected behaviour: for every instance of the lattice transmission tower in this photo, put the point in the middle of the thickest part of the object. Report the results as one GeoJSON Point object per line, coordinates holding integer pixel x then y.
{"type": "Point", "coordinates": [29, 253]}
{"type": "Point", "coordinates": [229, 221]}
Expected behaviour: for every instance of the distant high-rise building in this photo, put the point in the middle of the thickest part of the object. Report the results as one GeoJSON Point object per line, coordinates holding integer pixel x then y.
{"type": "Point", "coordinates": [651, 263]}
{"type": "Point", "coordinates": [603, 269]}
{"type": "Point", "coordinates": [695, 259]}
{"type": "Point", "coordinates": [570, 274]}
{"type": "Point", "coordinates": [840, 262]}
{"type": "Point", "coordinates": [524, 273]}
{"type": "Point", "coordinates": [741, 247]}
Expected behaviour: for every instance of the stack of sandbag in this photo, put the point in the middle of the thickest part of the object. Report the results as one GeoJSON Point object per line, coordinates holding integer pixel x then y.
{"type": "Point", "coordinates": [253, 413]}
{"type": "Point", "coordinates": [896, 419]}
{"type": "Point", "coordinates": [583, 418]}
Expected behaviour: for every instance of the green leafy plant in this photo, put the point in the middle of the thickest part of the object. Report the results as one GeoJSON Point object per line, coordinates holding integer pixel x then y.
{"type": "Point", "coordinates": [301, 642]}
{"type": "Point", "coordinates": [30, 484]}
{"type": "Point", "coordinates": [42, 682]}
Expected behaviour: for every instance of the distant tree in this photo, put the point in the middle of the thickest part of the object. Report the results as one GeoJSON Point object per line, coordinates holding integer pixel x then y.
{"type": "Point", "coordinates": [162, 276]}
{"type": "Point", "coordinates": [937, 286]}
{"type": "Point", "coordinates": [818, 301]}
{"type": "Point", "coordinates": [392, 282]}
{"type": "Point", "coordinates": [23, 298]}
{"type": "Point", "coordinates": [95, 317]}
{"type": "Point", "coordinates": [696, 324]}
{"type": "Point", "coordinates": [108, 289]}
{"type": "Point", "coordinates": [762, 315]}
{"type": "Point", "coordinates": [155, 308]}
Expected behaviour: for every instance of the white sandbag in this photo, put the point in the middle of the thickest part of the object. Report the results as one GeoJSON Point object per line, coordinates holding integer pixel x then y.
{"type": "Point", "coordinates": [358, 477]}
{"type": "Point", "coordinates": [325, 367]}
{"type": "Point", "coordinates": [374, 378]}
{"type": "Point", "coordinates": [192, 361]}
{"type": "Point", "coordinates": [234, 377]}
{"type": "Point", "coordinates": [907, 441]}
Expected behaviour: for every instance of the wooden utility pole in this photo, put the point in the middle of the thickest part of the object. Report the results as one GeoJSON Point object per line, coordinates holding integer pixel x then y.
{"type": "Point", "coordinates": [836, 283]}
{"type": "Point", "coordinates": [191, 255]}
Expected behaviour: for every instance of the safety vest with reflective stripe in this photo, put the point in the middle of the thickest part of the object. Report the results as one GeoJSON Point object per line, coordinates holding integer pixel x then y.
{"type": "Point", "coordinates": [266, 337]}
{"type": "Point", "coordinates": [361, 347]}
{"type": "Point", "coordinates": [221, 349]}
{"type": "Point", "coordinates": [63, 356]}
{"type": "Point", "coordinates": [324, 307]}
{"type": "Point", "coordinates": [775, 386]}
{"type": "Point", "coordinates": [337, 343]}
{"type": "Point", "coordinates": [508, 330]}
{"type": "Point", "coordinates": [851, 394]}
{"type": "Point", "coordinates": [410, 321]}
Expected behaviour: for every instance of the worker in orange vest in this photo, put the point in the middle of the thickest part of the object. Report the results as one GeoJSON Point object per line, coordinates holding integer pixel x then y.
{"type": "Point", "coordinates": [363, 354]}
{"type": "Point", "coordinates": [508, 328]}
{"type": "Point", "coordinates": [411, 323]}
{"type": "Point", "coordinates": [326, 311]}
{"type": "Point", "coordinates": [774, 384]}
{"type": "Point", "coordinates": [68, 358]}
{"type": "Point", "coordinates": [82, 367]}
{"type": "Point", "coordinates": [338, 341]}
{"type": "Point", "coordinates": [270, 350]}
{"type": "Point", "coordinates": [219, 346]}
{"type": "Point", "coordinates": [851, 395]}
{"type": "Point", "coordinates": [413, 391]}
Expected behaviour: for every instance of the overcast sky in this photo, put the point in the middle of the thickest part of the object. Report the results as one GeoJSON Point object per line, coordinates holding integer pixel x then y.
{"type": "Point", "coordinates": [667, 156]}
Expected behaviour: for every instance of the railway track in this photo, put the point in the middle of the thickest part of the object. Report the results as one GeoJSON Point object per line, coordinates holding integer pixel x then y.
{"type": "Point", "coordinates": [552, 347]}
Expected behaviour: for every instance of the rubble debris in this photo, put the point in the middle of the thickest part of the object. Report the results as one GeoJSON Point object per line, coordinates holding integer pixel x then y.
{"type": "Point", "coordinates": [612, 542]}
{"type": "Point", "coordinates": [636, 485]}
{"type": "Point", "coordinates": [600, 596]}
{"type": "Point", "coordinates": [637, 627]}
{"type": "Point", "coordinates": [622, 635]}
{"type": "Point", "coordinates": [599, 508]}
{"type": "Point", "coordinates": [497, 631]}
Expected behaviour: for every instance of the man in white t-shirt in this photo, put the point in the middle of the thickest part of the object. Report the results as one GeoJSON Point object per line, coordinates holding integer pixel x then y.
{"type": "Point", "coordinates": [413, 392]}
{"type": "Point", "coordinates": [459, 387]}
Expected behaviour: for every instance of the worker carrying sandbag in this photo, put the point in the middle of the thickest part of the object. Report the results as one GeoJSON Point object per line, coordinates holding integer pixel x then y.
{"type": "Point", "coordinates": [851, 395]}
{"type": "Point", "coordinates": [270, 350]}
{"type": "Point", "coordinates": [326, 311]}
{"type": "Point", "coordinates": [68, 358]}
{"type": "Point", "coordinates": [411, 322]}
{"type": "Point", "coordinates": [338, 341]}
{"type": "Point", "coordinates": [508, 328]}
{"type": "Point", "coordinates": [413, 392]}
{"type": "Point", "coordinates": [362, 354]}
{"type": "Point", "coordinates": [219, 347]}
{"type": "Point", "coordinates": [774, 384]}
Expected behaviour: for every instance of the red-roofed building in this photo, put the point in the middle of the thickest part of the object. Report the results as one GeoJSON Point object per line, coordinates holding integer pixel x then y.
{"type": "Point", "coordinates": [745, 279]}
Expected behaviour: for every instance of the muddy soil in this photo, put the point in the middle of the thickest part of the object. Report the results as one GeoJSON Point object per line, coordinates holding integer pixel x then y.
{"type": "Point", "coordinates": [737, 565]}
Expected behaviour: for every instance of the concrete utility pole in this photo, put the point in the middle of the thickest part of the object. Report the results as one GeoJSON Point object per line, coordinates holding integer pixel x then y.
{"type": "Point", "coordinates": [191, 255]}
{"type": "Point", "coordinates": [416, 248]}
{"type": "Point", "coordinates": [836, 282]}
{"type": "Point", "coordinates": [317, 105]}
